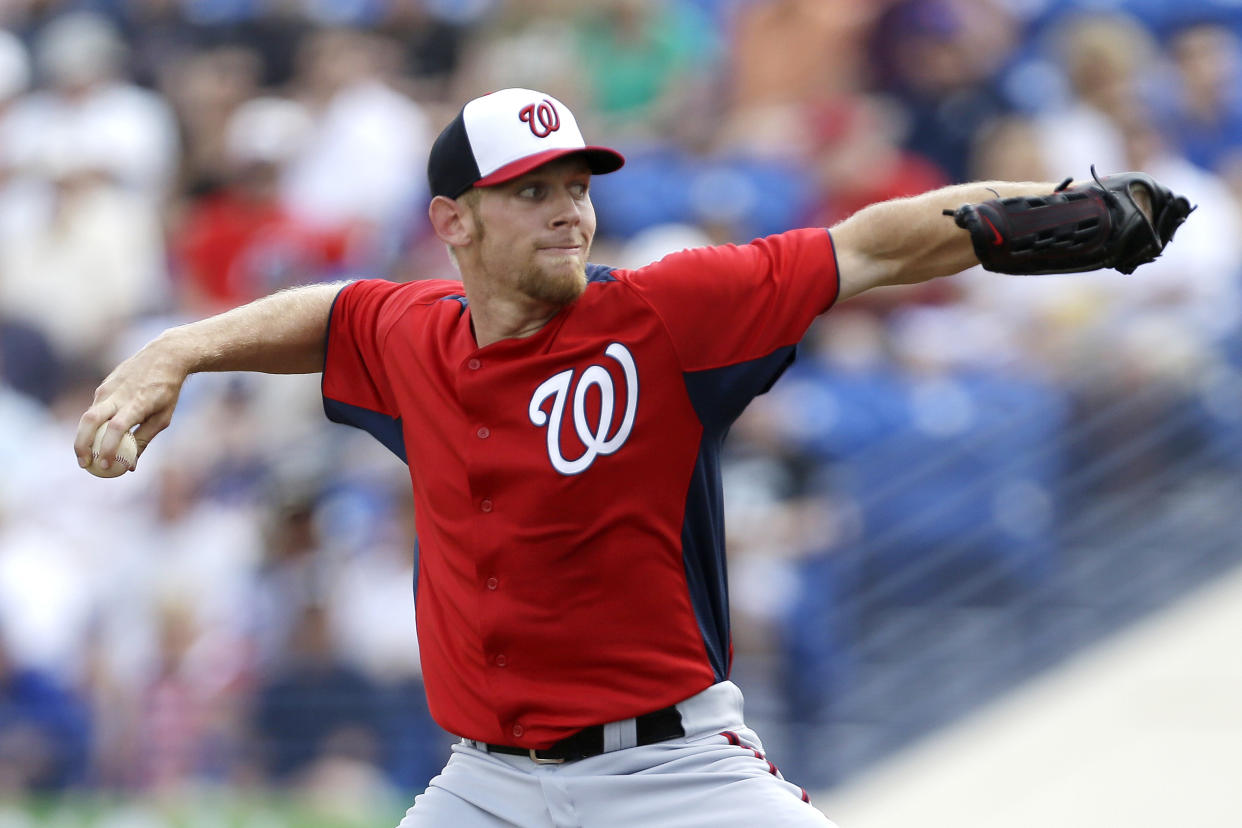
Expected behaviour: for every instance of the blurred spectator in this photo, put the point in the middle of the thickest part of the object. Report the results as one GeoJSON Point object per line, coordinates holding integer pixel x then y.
{"type": "Point", "coordinates": [201, 558]}
{"type": "Point", "coordinates": [44, 731]}
{"type": "Point", "coordinates": [821, 58]}
{"type": "Point", "coordinates": [431, 46]}
{"type": "Point", "coordinates": [186, 731]}
{"type": "Point", "coordinates": [860, 159]}
{"type": "Point", "coordinates": [27, 18]}
{"type": "Point", "coordinates": [52, 567]}
{"type": "Point", "coordinates": [940, 58]}
{"type": "Point", "coordinates": [205, 89]}
{"type": "Point", "coordinates": [775, 517]}
{"type": "Point", "coordinates": [275, 30]}
{"type": "Point", "coordinates": [1157, 335]}
{"type": "Point", "coordinates": [171, 649]}
{"type": "Point", "coordinates": [733, 198]}
{"type": "Point", "coordinates": [18, 194]}
{"type": "Point", "coordinates": [658, 241]}
{"type": "Point", "coordinates": [1199, 283]}
{"type": "Point", "coordinates": [315, 707]}
{"type": "Point", "coordinates": [14, 68]}
{"type": "Point", "coordinates": [11, 13]}
{"type": "Point", "coordinates": [89, 159]}
{"type": "Point", "coordinates": [369, 594]}
{"type": "Point", "coordinates": [242, 241]}
{"type": "Point", "coordinates": [1009, 146]}
{"type": "Point", "coordinates": [1204, 113]}
{"type": "Point", "coordinates": [644, 62]}
{"type": "Point", "coordinates": [1194, 286]}
{"type": "Point", "coordinates": [415, 746]}
{"type": "Point", "coordinates": [1103, 57]}
{"type": "Point", "coordinates": [791, 551]}
{"type": "Point", "coordinates": [526, 43]}
{"type": "Point", "coordinates": [293, 577]}
{"type": "Point", "coordinates": [93, 261]}
{"type": "Point", "coordinates": [361, 125]}
{"type": "Point", "coordinates": [86, 107]}
{"type": "Point", "coordinates": [27, 361]}
{"type": "Point", "coordinates": [159, 37]}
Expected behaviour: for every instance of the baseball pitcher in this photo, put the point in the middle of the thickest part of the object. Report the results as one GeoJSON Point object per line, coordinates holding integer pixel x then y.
{"type": "Point", "coordinates": [562, 423]}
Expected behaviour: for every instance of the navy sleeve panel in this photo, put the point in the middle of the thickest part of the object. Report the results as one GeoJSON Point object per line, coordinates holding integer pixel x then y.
{"type": "Point", "coordinates": [702, 549]}
{"type": "Point", "coordinates": [380, 426]}
{"type": "Point", "coordinates": [599, 273]}
{"type": "Point", "coordinates": [718, 395]}
{"type": "Point", "coordinates": [458, 298]}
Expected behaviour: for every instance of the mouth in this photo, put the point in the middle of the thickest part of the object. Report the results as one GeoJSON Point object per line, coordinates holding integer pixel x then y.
{"type": "Point", "coordinates": [569, 251]}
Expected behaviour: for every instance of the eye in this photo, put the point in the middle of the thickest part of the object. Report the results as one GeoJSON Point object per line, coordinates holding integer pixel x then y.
{"type": "Point", "coordinates": [579, 189]}
{"type": "Point", "coordinates": [530, 191]}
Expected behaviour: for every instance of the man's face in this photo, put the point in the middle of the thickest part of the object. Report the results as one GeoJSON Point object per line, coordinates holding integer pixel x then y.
{"type": "Point", "coordinates": [534, 233]}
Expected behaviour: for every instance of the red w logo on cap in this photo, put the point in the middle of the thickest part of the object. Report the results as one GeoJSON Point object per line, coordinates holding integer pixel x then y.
{"type": "Point", "coordinates": [543, 119]}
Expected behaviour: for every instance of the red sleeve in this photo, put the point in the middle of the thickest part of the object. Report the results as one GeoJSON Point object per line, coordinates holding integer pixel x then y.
{"type": "Point", "coordinates": [728, 304]}
{"type": "Point", "coordinates": [353, 372]}
{"type": "Point", "coordinates": [357, 363]}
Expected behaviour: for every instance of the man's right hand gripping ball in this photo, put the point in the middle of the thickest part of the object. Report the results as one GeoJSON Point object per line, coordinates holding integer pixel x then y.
{"type": "Point", "coordinates": [1073, 229]}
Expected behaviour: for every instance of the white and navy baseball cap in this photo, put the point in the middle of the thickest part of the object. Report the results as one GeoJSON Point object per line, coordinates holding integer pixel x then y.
{"type": "Point", "coordinates": [506, 134]}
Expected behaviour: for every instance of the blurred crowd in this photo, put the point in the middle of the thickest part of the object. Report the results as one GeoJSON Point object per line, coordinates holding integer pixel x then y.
{"type": "Point", "coordinates": [238, 612]}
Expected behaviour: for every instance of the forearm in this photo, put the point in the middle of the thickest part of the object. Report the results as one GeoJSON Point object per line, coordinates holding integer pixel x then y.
{"type": "Point", "coordinates": [910, 240]}
{"type": "Point", "coordinates": [284, 333]}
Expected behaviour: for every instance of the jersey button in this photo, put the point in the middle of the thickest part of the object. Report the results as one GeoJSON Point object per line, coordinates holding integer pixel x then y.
{"type": "Point", "coordinates": [474, 364]}
{"type": "Point", "coordinates": [493, 583]}
{"type": "Point", "coordinates": [484, 432]}
{"type": "Point", "coordinates": [485, 504]}
{"type": "Point", "coordinates": [518, 730]}
{"type": "Point", "coordinates": [500, 660]}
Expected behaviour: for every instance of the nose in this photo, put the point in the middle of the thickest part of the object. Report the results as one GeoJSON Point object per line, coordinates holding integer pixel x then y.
{"type": "Point", "coordinates": [567, 210]}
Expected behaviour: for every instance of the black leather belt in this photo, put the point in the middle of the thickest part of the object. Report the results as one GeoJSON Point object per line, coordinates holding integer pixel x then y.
{"type": "Point", "coordinates": [650, 728]}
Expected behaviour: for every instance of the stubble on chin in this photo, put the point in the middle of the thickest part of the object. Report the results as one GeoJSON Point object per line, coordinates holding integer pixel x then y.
{"type": "Point", "coordinates": [557, 287]}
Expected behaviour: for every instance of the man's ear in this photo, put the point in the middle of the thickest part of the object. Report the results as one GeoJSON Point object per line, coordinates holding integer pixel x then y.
{"type": "Point", "coordinates": [452, 221]}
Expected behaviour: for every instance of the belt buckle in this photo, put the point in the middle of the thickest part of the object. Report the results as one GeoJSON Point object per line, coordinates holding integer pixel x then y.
{"type": "Point", "coordinates": [534, 757]}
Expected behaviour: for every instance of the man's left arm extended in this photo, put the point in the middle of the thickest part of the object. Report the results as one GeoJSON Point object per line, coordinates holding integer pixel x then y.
{"type": "Point", "coordinates": [1120, 221]}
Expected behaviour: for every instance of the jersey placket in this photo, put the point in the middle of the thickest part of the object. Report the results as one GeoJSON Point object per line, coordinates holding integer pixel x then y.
{"type": "Point", "coordinates": [476, 392]}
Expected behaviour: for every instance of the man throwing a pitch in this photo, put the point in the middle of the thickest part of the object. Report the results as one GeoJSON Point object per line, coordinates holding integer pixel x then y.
{"type": "Point", "coordinates": [562, 423]}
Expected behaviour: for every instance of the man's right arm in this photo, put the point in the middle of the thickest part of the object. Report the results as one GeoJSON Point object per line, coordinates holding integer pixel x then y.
{"type": "Point", "coordinates": [284, 333]}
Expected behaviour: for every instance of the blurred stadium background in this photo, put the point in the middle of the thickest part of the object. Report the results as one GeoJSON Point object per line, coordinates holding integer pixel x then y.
{"type": "Point", "coordinates": [958, 488]}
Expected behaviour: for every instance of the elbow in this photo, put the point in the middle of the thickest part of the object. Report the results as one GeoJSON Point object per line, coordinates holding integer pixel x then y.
{"type": "Point", "coordinates": [858, 273]}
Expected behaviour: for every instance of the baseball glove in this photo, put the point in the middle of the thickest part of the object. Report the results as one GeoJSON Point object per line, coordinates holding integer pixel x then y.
{"type": "Point", "coordinates": [1073, 229]}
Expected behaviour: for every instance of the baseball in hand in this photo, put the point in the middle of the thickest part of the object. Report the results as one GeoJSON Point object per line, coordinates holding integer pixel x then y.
{"type": "Point", "coordinates": [126, 455]}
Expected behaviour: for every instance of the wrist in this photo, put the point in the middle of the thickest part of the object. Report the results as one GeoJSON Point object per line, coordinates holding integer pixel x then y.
{"type": "Point", "coordinates": [180, 349]}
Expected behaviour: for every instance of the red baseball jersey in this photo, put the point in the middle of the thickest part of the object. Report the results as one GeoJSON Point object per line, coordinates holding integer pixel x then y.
{"type": "Point", "coordinates": [571, 564]}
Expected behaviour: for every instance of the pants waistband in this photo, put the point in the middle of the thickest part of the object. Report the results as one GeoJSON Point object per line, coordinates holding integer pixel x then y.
{"type": "Point", "coordinates": [714, 710]}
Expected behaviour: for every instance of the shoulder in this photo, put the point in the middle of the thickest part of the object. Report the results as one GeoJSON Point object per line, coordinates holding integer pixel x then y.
{"type": "Point", "coordinates": [380, 304]}
{"type": "Point", "coordinates": [406, 294]}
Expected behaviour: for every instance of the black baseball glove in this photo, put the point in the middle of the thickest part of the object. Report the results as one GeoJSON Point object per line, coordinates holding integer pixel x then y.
{"type": "Point", "coordinates": [1072, 229]}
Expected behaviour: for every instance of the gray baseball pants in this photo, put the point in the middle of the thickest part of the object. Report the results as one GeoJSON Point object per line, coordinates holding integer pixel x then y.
{"type": "Point", "coordinates": [713, 777]}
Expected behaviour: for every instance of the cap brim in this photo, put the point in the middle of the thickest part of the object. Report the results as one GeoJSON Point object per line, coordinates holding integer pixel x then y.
{"type": "Point", "coordinates": [600, 160]}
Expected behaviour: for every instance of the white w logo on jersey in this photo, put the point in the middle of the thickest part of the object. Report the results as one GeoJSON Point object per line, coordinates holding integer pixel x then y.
{"type": "Point", "coordinates": [596, 440]}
